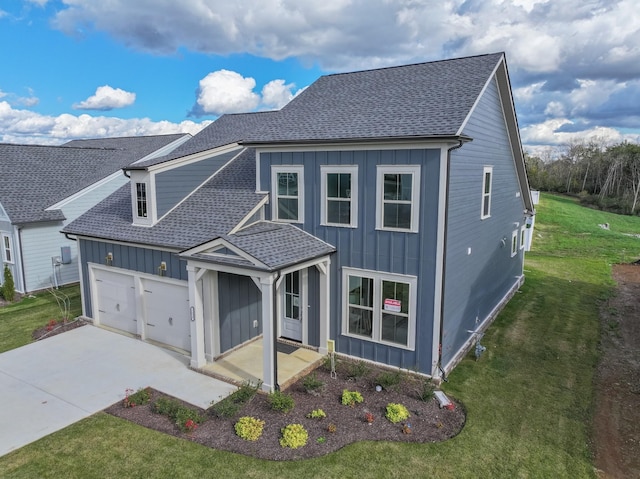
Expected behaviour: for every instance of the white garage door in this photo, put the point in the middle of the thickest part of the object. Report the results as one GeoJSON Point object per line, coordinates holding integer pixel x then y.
{"type": "Point", "coordinates": [115, 295]}
{"type": "Point", "coordinates": [167, 313]}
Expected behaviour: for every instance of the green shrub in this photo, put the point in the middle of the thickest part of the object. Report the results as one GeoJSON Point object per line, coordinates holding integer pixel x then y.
{"type": "Point", "coordinates": [426, 391]}
{"type": "Point", "coordinates": [396, 412]}
{"type": "Point", "coordinates": [138, 398]}
{"type": "Point", "coordinates": [249, 428]}
{"type": "Point", "coordinates": [312, 384]}
{"type": "Point", "coordinates": [317, 414]}
{"type": "Point", "coordinates": [389, 379]}
{"type": "Point", "coordinates": [166, 407]}
{"type": "Point", "coordinates": [280, 401]}
{"type": "Point", "coordinates": [185, 418]}
{"type": "Point", "coordinates": [350, 398]}
{"type": "Point", "coordinates": [357, 369]}
{"type": "Point", "coordinates": [8, 288]}
{"type": "Point", "coordinates": [294, 436]}
{"type": "Point", "coordinates": [231, 405]}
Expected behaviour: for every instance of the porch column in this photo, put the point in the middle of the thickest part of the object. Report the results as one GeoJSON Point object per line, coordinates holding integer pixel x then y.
{"type": "Point", "coordinates": [198, 359]}
{"type": "Point", "coordinates": [269, 378]}
{"type": "Point", "coordinates": [325, 299]}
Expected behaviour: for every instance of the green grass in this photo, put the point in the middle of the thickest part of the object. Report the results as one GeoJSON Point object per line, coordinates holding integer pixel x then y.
{"type": "Point", "coordinates": [18, 320]}
{"type": "Point", "coordinates": [528, 399]}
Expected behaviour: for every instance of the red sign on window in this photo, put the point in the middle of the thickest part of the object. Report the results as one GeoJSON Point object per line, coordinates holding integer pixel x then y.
{"type": "Point", "coordinates": [392, 305]}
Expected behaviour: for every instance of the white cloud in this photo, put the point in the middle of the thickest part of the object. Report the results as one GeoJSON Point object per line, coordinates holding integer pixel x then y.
{"type": "Point", "coordinates": [225, 91]}
{"type": "Point", "coordinates": [277, 94]}
{"type": "Point", "coordinates": [106, 98]}
{"type": "Point", "coordinates": [24, 126]}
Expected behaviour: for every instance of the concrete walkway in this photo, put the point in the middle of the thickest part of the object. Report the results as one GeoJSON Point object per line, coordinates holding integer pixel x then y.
{"type": "Point", "coordinates": [48, 385]}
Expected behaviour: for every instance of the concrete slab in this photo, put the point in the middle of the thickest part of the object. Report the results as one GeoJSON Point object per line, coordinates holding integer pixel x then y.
{"type": "Point", "coordinates": [48, 385]}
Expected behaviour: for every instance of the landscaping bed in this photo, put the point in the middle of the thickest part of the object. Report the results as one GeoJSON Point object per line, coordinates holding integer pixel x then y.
{"type": "Point", "coordinates": [427, 421]}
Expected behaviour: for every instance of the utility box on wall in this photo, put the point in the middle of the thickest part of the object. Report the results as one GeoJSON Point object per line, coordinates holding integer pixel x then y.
{"type": "Point", "coordinates": [65, 254]}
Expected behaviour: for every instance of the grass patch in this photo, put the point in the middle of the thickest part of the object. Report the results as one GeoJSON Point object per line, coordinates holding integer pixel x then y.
{"type": "Point", "coordinates": [528, 398]}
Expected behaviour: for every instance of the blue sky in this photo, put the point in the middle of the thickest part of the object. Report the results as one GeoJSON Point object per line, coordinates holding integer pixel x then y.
{"type": "Point", "coordinates": [85, 68]}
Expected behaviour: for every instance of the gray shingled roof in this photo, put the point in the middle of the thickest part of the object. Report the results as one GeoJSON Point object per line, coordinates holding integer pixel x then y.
{"type": "Point", "coordinates": [213, 210]}
{"type": "Point", "coordinates": [422, 100]}
{"type": "Point", "coordinates": [32, 177]}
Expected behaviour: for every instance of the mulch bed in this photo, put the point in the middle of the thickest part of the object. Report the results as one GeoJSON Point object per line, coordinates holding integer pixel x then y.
{"type": "Point", "coordinates": [59, 327]}
{"type": "Point", "coordinates": [428, 422]}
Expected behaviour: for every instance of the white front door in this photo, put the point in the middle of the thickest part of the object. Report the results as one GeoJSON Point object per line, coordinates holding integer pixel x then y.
{"type": "Point", "coordinates": [292, 310]}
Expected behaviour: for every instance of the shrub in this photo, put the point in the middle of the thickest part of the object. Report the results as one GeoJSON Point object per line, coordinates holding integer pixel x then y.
{"type": "Point", "coordinates": [280, 401]}
{"type": "Point", "coordinates": [332, 428]}
{"type": "Point", "coordinates": [426, 392]}
{"type": "Point", "coordinates": [230, 405]}
{"type": "Point", "coordinates": [357, 369]}
{"type": "Point", "coordinates": [8, 288]}
{"type": "Point", "coordinates": [396, 412]}
{"type": "Point", "coordinates": [140, 397]}
{"type": "Point", "coordinates": [185, 418]}
{"type": "Point", "coordinates": [317, 414]}
{"type": "Point", "coordinates": [294, 436]}
{"type": "Point", "coordinates": [249, 428]}
{"type": "Point", "coordinates": [389, 379]}
{"type": "Point", "coordinates": [312, 384]}
{"type": "Point", "coordinates": [350, 398]}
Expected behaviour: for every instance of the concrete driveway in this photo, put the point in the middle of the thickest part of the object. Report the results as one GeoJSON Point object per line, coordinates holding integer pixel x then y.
{"type": "Point", "coordinates": [48, 385]}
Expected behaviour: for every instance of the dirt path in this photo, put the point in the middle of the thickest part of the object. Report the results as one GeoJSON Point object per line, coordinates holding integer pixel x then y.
{"type": "Point", "coordinates": [616, 434]}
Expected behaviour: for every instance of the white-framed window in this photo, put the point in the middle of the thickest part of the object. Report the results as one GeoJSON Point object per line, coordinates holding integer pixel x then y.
{"type": "Point", "coordinates": [514, 243]}
{"type": "Point", "coordinates": [141, 200]}
{"type": "Point", "coordinates": [379, 307]}
{"type": "Point", "coordinates": [523, 235]}
{"type": "Point", "coordinates": [487, 179]}
{"type": "Point", "coordinates": [339, 189]}
{"type": "Point", "coordinates": [398, 198]}
{"type": "Point", "coordinates": [7, 249]}
{"type": "Point", "coordinates": [287, 188]}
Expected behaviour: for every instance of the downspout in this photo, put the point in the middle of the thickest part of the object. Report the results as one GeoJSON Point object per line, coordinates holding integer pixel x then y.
{"type": "Point", "coordinates": [444, 255]}
{"type": "Point", "coordinates": [124, 172]}
{"type": "Point", "coordinates": [274, 292]}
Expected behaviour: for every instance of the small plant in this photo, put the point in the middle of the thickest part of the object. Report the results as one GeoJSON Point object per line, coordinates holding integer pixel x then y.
{"type": "Point", "coordinates": [317, 414]}
{"type": "Point", "coordinates": [357, 369]}
{"type": "Point", "coordinates": [190, 426]}
{"type": "Point", "coordinates": [280, 401]}
{"type": "Point", "coordinates": [230, 405]}
{"type": "Point", "coordinates": [8, 288]}
{"type": "Point", "coordinates": [51, 324]}
{"type": "Point", "coordinates": [425, 393]}
{"type": "Point", "coordinates": [332, 428]}
{"type": "Point", "coordinates": [249, 428]}
{"type": "Point", "coordinates": [350, 398]}
{"type": "Point", "coordinates": [321, 440]}
{"type": "Point", "coordinates": [312, 384]}
{"type": "Point", "coordinates": [294, 436]}
{"type": "Point", "coordinates": [368, 417]}
{"type": "Point", "coordinates": [396, 412]}
{"type": "Point", "coordinates": [138, 398]}
{"type": "Point", "coordinates": [389, 379]}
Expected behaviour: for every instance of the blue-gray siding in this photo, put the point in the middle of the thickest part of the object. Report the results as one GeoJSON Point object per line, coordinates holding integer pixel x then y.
{"type": "Point", "coordinates": [365, 247]}
{"type": "Point", "coordinates": [313, 311]}
{"type": "Point", "coordinates": [143, 260]}
{"type": "Point", "coordinates": [239, 306]}
{"type": "Point", "coordinates": [475, 283]}
{"type": "Point", "coordinates": [172, 186]}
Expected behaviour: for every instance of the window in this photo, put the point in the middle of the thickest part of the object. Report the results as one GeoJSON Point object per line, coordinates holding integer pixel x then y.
{"type": "Point", "coordinates": [339, 185]}
{"type": "Point", "coordinates": [292, 295]}
{"type": "Point", "coordinates": [380, 307]}
{"type": "Point", "coordinates": [523, 236]}
{"type": "Point", "coordinates": [141, 200]}
{"type": "Point", "coordinates": [487, 174]}
{"type": "Point", "coordinates": [514, 243]}
{"type": "Point", "coordinates": [287, 185]}
{"type": "Point", "coordinates": [398, 193]}
{"type": "Point", "coordinates": [7, 248]}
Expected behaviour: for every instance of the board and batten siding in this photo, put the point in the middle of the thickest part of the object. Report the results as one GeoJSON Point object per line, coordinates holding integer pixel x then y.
{"type": "Point", "coordinates": [370, 249]}
{"type": "Point", "coordinates": [173, 185]}
{"type": "Point", "coordinates": [479, 268]}
{"type": "Point", "coordinates": [239, 306]}
{"type": "Point", "coordinates": [143, 260]}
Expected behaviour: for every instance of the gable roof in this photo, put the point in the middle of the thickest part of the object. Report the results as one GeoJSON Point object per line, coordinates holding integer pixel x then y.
{"type": "Point", "coordinates": [33, 177]}
{"type": "Point", "coordinates": [425, 100]}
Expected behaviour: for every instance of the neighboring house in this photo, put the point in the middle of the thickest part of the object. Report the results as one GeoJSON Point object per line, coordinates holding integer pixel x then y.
{"type": "Point", "coordinates": [383, 210]}
{"type": "Point", "coordinates": [42, 188]}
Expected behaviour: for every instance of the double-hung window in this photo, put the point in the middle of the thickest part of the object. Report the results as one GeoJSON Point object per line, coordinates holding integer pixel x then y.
{"type": "Point", "coordinates": [380, 307]}
{"type": "Point", "coordinates": [514, 243]}
{"type": "Point", "coordinates": [288, 195]}
{"type": "Point", "coordinates": [7, 249]}
{"type": "Point", "coordinates": [523, 236]}
{"type": "Point", "coordinates": [487, 177]}
{"type": "Point", "coordinates": [339, 187]}
{"type": "Point", "coordinates": [398, 193]}
{"type": "Point", "coordinates": [141, 200]}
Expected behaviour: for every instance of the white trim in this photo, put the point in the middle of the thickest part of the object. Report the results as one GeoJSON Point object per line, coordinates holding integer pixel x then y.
{"type": "Point", "coordinates": [290, 169]}
{"type": "Point", "coordinates": [193, 158]}
{"type": "Point", "coordinates": [8, 246]}
{"type": "Point", "coordinates": [126, 243]}
{"type": "Point", "coordinates": [3, 214]}
{"type": "Point", "coordinates": [378, 277]}
{"type": "Point", "coordinates": [241, 224]}
{"type": "Point", "coordinates": [523, 236]}
{"type": "Point", "coordinates": [166, 149]}
{"type": "Point", "coordinates": [485, 170]}
{"type": "Point", "coordinates": [60, 204]}
{"type": "Point", "coordinates": [514, 242]}
{"type": "Point", "coordinates": [221, 242]}
{"type": "Point", "coordinates": [353, 196]}
{"type": "Point", "coordinates": [149, 181]}
{"type": "Point", "coordinates": [414, 171]}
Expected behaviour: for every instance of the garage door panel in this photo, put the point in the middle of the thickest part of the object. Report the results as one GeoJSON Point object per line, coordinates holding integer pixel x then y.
{"type": "Point", "coordinates": [167, 317]}
{"type": "Point", "coordinates": [116, 301]}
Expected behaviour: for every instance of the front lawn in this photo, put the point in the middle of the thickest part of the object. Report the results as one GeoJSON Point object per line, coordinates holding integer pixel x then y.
{"type": "Point", "coordinates": [528, 398]}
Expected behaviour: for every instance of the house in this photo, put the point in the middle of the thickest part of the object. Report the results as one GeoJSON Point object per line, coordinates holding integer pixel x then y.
{"type": "Point", "coordinates": [42, 188]}
{"type": "Point", "coordinates": [381, 213]}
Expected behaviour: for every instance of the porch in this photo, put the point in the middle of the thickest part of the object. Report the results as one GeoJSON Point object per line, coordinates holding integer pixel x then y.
{"type": "Point", "coordinates": [246, 363]}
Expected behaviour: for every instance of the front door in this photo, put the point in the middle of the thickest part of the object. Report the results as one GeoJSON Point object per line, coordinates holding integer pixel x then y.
{"type": "Point", "coordinates": [292, 307]}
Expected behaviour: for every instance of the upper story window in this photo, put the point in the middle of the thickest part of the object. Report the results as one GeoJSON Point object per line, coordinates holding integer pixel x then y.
{"type": "Point", "coordinates": [288, 193]}
{"type": "Point", "coordinates": [514, 243]}
{"type": "Point", "coordinates": [339, 185]}
{"type": "Point", "coordinates": [523, 236]}
{"type": "Point", "coordinates": [398, 196]}
{"type": "Point", "coordinates": [7, 249]}
{"type": "Point", "coordinates": [487, 177]}
{"type": "Point", "coordinates": [141, 200]}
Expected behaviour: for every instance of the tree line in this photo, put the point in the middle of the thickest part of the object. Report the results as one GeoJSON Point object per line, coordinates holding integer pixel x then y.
{"type": "Point", "coordinates": [607, 178]}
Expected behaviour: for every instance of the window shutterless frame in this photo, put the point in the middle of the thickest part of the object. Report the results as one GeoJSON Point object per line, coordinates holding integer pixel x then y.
{"type": "Point", "coordinates": [398, 198]}
{"type": "Point", "coordinates": [141, 200]}
{"type": "Point", "coordinates": [339, 190]}
{"type": "Point", "coordinates": [287, 193]}
{"type": "Point", "coordinates": [487, 180]}
{"type": "Point", "coordinates": [7, 249]}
